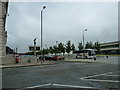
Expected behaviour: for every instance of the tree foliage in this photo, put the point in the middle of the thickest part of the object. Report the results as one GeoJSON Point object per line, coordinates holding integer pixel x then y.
{"type": "Point", "coordinates": [61, 48]}
{"type": "Point", "coordinates": [73, 47]}
{"type": "Point", "coordinates": [51, 50]}
{"type": "Point", "coordinates": [55, 49]}
{"type": "Point", "coordinates": [97, 46]}
{"type": "Point", "coordinates": [80, 46]}
{"type": "Point", "coordinates": [68, 47]}
{"type": "Point", "coordinates": [45, 51]}
{"type": "Point", "coordinates": [89, 45]}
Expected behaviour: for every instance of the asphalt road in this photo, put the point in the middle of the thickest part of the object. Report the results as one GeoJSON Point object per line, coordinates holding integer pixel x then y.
{"type": "Point", "coordinates": [99, 75]}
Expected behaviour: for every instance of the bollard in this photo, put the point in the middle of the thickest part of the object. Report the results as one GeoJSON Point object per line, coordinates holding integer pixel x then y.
{"type": "Point", "coordinates": [29, 60]}
{"type": "Point", "coordinates": [17, 59]}
{"type": "Point", "coordinates": [106, 56]}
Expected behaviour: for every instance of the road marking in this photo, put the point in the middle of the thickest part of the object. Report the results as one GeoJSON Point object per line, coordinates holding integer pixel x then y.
{"type": "Point", "coordinates": [97, 80]}
{"type": "Point", "coordinates": [112, 75]}
{"type": "Point", "coordinates": [95, 75]}
{"type": "Point", "coordinates": [39, 86]}
{"type": "Point", "coordinates": [73, 86]}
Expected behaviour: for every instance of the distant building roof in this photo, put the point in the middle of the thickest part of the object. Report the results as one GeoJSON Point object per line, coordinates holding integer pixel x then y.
{"type": "Point", "coordinates": [110, 43]}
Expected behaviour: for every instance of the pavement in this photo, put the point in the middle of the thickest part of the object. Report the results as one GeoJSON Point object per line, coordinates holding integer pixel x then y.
{"type": "Point", "coordinates": [47, 63]}
{"type": "Point", "coordinates": [25, 64]}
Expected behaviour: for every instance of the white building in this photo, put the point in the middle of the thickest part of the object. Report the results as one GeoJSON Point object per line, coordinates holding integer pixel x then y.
{"type": "Point", "coordinates": [3, 32]}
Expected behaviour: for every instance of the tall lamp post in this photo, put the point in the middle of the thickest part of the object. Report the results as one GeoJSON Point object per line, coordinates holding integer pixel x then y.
{"type": "Point", "coordinates": [45, 46]}
{"type": "Point", "coordinates": [84, 38]}
{"type": "Point", "coordinates": [41, 29]}
{"type": "Point", "coordinates": [83, 41]}
{"type": "Point", "coordinates": [34, 46]}
{"type": "Point", "coordinates": [56, 47]}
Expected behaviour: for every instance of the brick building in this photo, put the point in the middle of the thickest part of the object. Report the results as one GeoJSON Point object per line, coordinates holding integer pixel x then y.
{"type": "Point", "coordinates": [3, 32]}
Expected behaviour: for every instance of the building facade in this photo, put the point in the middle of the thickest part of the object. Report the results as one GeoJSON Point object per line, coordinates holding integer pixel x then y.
{"type": "Point", "coordinates": [32, 48]}
{"type": "Point", "coordinates": [9, 50]}
{"type": "Point", "coordinates": [110, 48]}
{"type": "Point", "coordinates": [3, 32]}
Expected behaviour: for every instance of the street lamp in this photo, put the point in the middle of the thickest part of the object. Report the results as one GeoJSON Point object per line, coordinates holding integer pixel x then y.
{"type": "Point", "coordinates": [56, 47]}
{"type": "Point", "coordinates": [34, 46]}
{"type": "Point", "coordinates": [83, 42]}
{"type": "Point", "coordinates": [45, 46]}
{"type": "Point", "coordinates": [83, 38]}
{"type": "Point", "coordinates": [41, 30]}
{"type": "Point", "coordinates": [56, 43]}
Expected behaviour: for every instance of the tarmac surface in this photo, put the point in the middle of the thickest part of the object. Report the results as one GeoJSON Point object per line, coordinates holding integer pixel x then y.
{"type": "Point", "coordinates": [74, 73]}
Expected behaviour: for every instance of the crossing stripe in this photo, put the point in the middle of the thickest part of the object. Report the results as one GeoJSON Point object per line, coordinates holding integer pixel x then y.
{"type": "Point", "coordinates": [95, 75]}
{"type": "Point", "coordinates": [39, 86]}
{"type": "Point", "coordinates": [98, 80]}
{"type": "Point", "coordinates": [73, 86]}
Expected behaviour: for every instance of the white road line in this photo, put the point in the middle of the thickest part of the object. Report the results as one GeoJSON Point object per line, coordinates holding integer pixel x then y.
{"type": "Point", "coordinates": [39, 86]}
{"type": "Point", "coordinates": [73, 86]}
{"type": "Point", "coordinates": [97, 80]}
{"type": "Point", "coordinates": [112, 75]}
{"type": "Point", "coordinates": [95, 75]}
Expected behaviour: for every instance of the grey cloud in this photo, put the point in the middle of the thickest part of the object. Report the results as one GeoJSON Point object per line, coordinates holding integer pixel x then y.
{"type": "Point", "coordinates": [61, 22]}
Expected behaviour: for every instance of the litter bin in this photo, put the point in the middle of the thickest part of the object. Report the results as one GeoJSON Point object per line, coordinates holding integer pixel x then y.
{"type": "Point", "coordinates": [17, 60]}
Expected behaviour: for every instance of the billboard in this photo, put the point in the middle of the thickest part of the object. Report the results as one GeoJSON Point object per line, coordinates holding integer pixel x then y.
{"type": "Point", "coordinates": [31, 48]}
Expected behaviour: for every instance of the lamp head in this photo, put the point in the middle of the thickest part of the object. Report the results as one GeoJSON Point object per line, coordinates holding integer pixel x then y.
{"type": "Point", "coordinates": [44, 7]}
{"type": "Point", "coordinates": [34, 39]}
{"type": "Point", "coordinates": [85, 29]}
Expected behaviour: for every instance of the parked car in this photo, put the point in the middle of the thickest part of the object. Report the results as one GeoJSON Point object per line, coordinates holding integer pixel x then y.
{"type": "Point", "coordinates": [46, 57]}
{"type": "Point", "coordinates": [56, 57]}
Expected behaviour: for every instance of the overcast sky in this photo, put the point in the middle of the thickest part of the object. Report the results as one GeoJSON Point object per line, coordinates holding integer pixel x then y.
{"type": "Point", "coordinates": [62, 21]}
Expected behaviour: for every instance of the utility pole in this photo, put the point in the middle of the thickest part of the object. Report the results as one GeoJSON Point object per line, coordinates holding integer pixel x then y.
{"type": "Point", "coordinates": [84, 42]}
{"type": "Point", "coordinates": [34, 46]}
{"type": "Point", "coordinates": [42, 31]}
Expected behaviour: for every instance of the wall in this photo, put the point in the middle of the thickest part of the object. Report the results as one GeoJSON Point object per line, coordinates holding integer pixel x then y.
{"type": "Point", "coordinates": [3, 34]}
{"type": "Point", "coordinates": [1, 31]}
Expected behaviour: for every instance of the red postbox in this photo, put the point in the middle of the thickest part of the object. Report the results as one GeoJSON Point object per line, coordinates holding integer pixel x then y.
{"type": "Point", "coordinates": [17, 59]}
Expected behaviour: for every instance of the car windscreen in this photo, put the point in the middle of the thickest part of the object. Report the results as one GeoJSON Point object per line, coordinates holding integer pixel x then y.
{"type": "Point", "coordinates": [91, 52]}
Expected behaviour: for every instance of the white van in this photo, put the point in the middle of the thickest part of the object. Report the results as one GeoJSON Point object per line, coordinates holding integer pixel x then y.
{"type": "Point", "coordinates": [86, 54]}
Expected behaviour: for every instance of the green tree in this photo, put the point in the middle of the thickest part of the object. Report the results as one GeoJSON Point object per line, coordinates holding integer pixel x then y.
{"type": "Point", "coordinates": [80, 46]}
{"type": "Point", "coordinates": [73, 47]}
{"type": "Point", "coordinates": [68, 47]}
{"type": "Point", "coordinates": [97, 46]}
{"type": "Point", "coordinates": [45, 51]}
{"type": "Point", "coordinates": [61, 48]}
{"type": "Point", "coordinates": [55, 49]}
{"type": "Point", "coordinates": [89, 45]}
{"type": "Point", "coordinates": [38, 53]}
{"type": "Point", "coordinates": [51, 50]}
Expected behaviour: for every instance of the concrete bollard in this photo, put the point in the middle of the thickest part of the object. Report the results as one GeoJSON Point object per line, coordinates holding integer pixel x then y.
{"type": "Point", "coordinates": [29, 60]}
{"type": "Point", "coordinates": [106, 56]}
